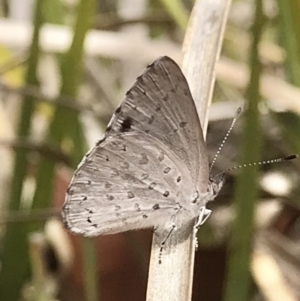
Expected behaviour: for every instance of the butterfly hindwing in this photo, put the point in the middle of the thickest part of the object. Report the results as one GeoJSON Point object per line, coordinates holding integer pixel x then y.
{"type": "Point", "coordinates": [128, 182]}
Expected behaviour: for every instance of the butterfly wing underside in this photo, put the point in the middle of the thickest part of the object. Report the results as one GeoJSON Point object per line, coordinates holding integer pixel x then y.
{"type": "Point", "coordinates": [147, 163]}
{"type": "Point", "coordinates": [125, 184]}
{"type": "Point", "coordinates": [160, 104]}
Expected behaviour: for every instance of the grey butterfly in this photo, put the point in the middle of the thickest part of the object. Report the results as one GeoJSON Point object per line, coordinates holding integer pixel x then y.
{"type": "Point", "coordinates": [148, 170]}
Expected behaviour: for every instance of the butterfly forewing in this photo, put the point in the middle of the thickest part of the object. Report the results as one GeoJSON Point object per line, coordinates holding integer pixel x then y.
{"type": "Point", "coordinates": [147, 166]}
{"type": "Point", "coordinates": [160, 104]}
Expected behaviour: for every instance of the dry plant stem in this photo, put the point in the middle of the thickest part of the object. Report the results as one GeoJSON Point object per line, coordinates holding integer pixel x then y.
{"type": "Point", "coordinates": [56, 38]}
{"type": "Point", "coordinates": [278, 92]}
{"type": "Point", "coordinates": [37, 215]}
{"type": "Point", "coordinates": [113, 21]}
{"type": "Point", "coordinates": [268, 273]}
{"type": "Point", "coordinates": [172, 279]}
{"type": "Point", "coordinates": [201, 50]}
{"type": "Point", "coordinates": [44, 149]}
{"type": "Point", "coordinates": [269, 278]}
{"type": "Point", "coordinates": [64, 100]}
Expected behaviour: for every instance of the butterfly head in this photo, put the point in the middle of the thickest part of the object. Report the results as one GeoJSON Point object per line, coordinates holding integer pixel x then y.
{"type": "Point", "coordinates": [216, 183]}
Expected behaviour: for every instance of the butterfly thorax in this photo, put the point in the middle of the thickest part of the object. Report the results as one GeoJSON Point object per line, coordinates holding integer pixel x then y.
{"type": "Point", "coordinates": [215, 184]}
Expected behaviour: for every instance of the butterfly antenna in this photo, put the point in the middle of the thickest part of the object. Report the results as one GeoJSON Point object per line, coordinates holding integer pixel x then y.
{"type": "Point", "coordinates": [282, 159]}
{"type": "Point", "coordinates": [237, 114]}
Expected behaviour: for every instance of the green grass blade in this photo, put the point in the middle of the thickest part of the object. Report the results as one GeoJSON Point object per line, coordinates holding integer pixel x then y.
{"type": "Point", "coordinates": [290, 29]}
{"type": "Point", "coordinates": [90, 269]}
{"type": "Point", "coordinates": [66, 125]}
{"type": "Point", "coordinates": [238, 277]}
{"type": "Point", "coordinates": [53, 11]}
{"type": "Point", "coordinates": [177, 10]}
{"type": "Point", "coordinates": [290, 37]}
{"type": "Point", "coordinates": [14, 256]}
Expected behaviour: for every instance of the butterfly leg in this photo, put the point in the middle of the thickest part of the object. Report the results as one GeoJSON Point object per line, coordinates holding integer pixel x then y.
{"type": "Point", "coordinates": [162, 244]}
{"type": "Point", "coordinates": [203, 216]}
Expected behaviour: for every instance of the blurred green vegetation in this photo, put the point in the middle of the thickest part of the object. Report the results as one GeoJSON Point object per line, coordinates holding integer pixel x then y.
{"type": "Point", "coordinates": [240, 246]}
{"type": "Point", "coordinates": [36, 181]}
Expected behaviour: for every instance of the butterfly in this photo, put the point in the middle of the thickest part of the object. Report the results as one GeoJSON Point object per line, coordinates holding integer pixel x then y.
{"type": "Point", "coordinates": [151, 169]}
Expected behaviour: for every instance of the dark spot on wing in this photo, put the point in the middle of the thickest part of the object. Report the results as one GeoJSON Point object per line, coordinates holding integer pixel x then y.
{"type": "Point", "coordinates": [166, 97]}
{"type": "Point", "coordinates": [124, 148]}
{"type": "Point", "coordinates": [185, 92]}
{"type": "Point", "coordinates": [107, 159]}
{"type": "Point", "coordinates": [95, 225]}
{"type": "Point", "coordinates": [156, 206]}
{"type": "Point", "coordinates": [151, 119]}
{"type": "Point", "coordinates": [118, 110]}
{"type": "Point", "coordinates": [107, 185]}
{"type": "Point", "coordinates": [178, 179]}
{"type": "Point", "coordinates": [137, 207]}
{"type": "Point", "coordinates": [126, 125]}
{"type": "Point", "coordinates": [166, 193]}
{"type": "Point", "coordinates": [117, 208]}
{"type": "Point", "coordinates": [144, 159]}
{"type": "Point", "coordinates": [158, 108]}
{"type": "Point", "coordinates": [130, 194]}
{"type": "Point", "coordinates": [145, 216]}
{"type": "Point", "coordinates": [84, 198]}
{"type": "Point", "coordinates": [167, 169]}
{"type": "Point", "coordinates": [152, 185]}
{"type": "Point", "coordinates": [182, 124]}
{"type": "Point", "coordinates": [110, 197]}
{"type": "Point", "coordinates": [89, 220]}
